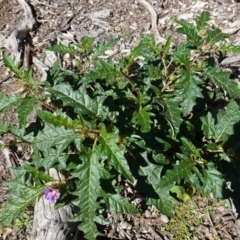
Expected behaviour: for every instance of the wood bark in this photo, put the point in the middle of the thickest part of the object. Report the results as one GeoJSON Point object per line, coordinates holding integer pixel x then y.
{"type": "Point", "coordinates": [51, 224]}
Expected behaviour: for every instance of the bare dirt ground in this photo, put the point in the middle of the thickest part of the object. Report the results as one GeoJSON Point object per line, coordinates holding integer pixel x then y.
{"type": "Point", "coordinates": [67, 21]}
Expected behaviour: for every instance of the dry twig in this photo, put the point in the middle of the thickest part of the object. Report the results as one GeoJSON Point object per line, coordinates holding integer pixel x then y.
{"type": "Point", "coordinates": [149, 7]}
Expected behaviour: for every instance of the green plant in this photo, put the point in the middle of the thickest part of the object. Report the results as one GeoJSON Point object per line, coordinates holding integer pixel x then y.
{"type": "Point", "coordinates": [189, 218]}
{"type": "Point", "coordinates": [164, 117]}
{"type": "Point", "coordinates": [18, 223]}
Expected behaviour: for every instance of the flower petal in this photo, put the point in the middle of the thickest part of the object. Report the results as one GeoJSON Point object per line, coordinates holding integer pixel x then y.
{"type": "Point", "coordinates": [51, 194]}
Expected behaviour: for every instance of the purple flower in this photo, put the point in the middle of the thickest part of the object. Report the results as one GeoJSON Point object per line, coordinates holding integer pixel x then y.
{"type": "Point", "coordinates": [51, 194]}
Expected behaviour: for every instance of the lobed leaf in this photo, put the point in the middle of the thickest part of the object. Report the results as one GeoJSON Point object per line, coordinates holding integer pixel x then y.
{"type": "Point", "coordinates": [181, 54]}
{"type": "Point", "coordinates": [212, 181]}
{"type": "Point", "coordinates": [25, 109]}
{"type": "Point", "coordinates": [229, 47]}
{"type": "Point", "coordinates": [116, 202]}
{"type": "Point", "coordinates": [202, 20]}
{"type": "Point", "coordinates": [190, 147]}
{"type": "Point", "coordinates": [190, 31]}
{"type": "Point", "coordinates": [180, 171]}
{"type": "Point", "coordinates": [142, 118]}
{"type": "Point", "coordinates": [88, 190]}
{"type": "Point", "coordinates": [56, 120]}
{"type": "Point", "coordinates": [3, 128]}
{"type": "Point", "coordinates": [101, 48]}
{"type": "Point", "coordinates": [114, 153]}
{"type": "Point", "coordinates": [86, 44]}
{"type": "Point", "coordinates": [61, 48]}
{"type": "Point", "coordinates": [221, 79]}
{"type": "Point", "coordinates": [80, 101]}
{"type": "Point", "coordinates": [167, 46]}
{"type": "Point", "coordinates": [106, 71]}
{"type": "Point", "coordinates": [208, 126]}
{"type": "Point", "coordinates": [226, 121]}
{"type": "Point", "coordinates": [164, 203]}
{"type": "Point", "coordinates": [8, 101]}
{"type": "Point", "coordinates": [9, 63]}
{"type": "Point", "coordinates": [17, 203]}
{"type": "Point", "coordinates": [173, 112]}
{"type": "Point", "coordinates": [49, 159]}
{"type": "Point", "coordinates": [189, 90]}
{"type": "Point", "coordinates": [215, 35]}
{"type": "Point", "coordinates": [52, 136]}
{"type": "Point", "coordinates": [37, 175]}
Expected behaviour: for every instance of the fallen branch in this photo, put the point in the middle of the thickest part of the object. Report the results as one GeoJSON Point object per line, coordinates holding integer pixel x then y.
{"type": "Point", "coordinates": [29, 21]}
{"type": "Point", "coordinates": [230, 60]}
{"type": "Point", "coordinates": [17, 36]}
{"type": "Point", "coordinates": [51, 224]}
{"type": "Point", "coordinates": [149, 7]}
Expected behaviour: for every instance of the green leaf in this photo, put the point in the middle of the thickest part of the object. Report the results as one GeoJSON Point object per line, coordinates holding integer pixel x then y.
{"type": "Point", "coordinates": [137, 51]}
{"type": "Point", "coordinates": [105, 70]}
{"type": "Point", "coordinates": [180, 193]}
{"type": "Point", "coordinates": [20, 175]}
{"type": "Point", "coordinates": [222, 80]}
{"type": "Point", "coordinates": [103, 47]}
{"type": "Point", "coordinates": [142, 118]}
{"type": "Point", "coordinates": [215, 35]}
{"type": "Point", "coordinates": [3, 129]}
{"type": "Point", "coordinates": [8, 101]}
{"type": "Point", "coordinates": [180, 171]}
{"type": "Point", "coordinates": [101, 220]}
{"type": "Point", "coordinates": [146, 49]}
{"type": "Point", "coordinates": [173, 112]}
{"type": "Point", "coordinates": [190, 147]}
{"type": "Point", "coordinates": [228, 47]}
{"type": "Point", "coordinates": [17, 203]}
{"type": "Point", "coordinates": [208, 126]}
{"type": "Point", "coordinates": [9, 63]}
{"type": "Point", "coordinates": [160, 158]}
{"type": "Point", "coordinates": [165, 203]}
{"type": "Point", "coordinates": [28, 77]}
{"type": "Point", "coordinates": [114, 152]}
{"type": "Point", "coordinates": [181, 54]}
{"type": "Point", "coordinates": [16, 131]}
{"type": "Point", "coordinates": [25, 108]}
{"type": "Point", "coordinates": [81, 102]}
{"type": "Point", "coordinates": [37, 175]}
{"type": "Point", "coordinates": [202, 20]}
{"type": "Point", "coordinates": [190, 31]}
{"type": "Point", "coordinates": [212, 181]}
{"type": "Point", "coordinates": [52, 136]}
{"type": "Point", "coordinates": [167, 46]}
{"type": "Point", "coordinates": [49, 159]}
{"type": "Point", "coordinates": [151, 73]}
{"type": "Point", "coordinates": [56, 120]}
{"type": "Point", "coordinates": [55, 69]}
{"type": "Point", "coordinates": [226, 121]}
{"type": "Point", "coordinates": [61, 48]}
{"type": "Point", "coordinates": [189, 90]}
{"type": "Point", "coordinates": [116, 202]}
{"type": "Point", "coordinates": [148, 43]}
{"type": "Point", "coordinates": [86, 44]}
{"type": "Point", "coordinates": [88, 190]}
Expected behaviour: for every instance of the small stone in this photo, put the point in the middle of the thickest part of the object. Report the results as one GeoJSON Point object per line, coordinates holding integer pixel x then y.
{"type": "Point", "coordinates": [124, 225]}
{"type": "Point", "coordinates": [164, 218]}
{"type": "Point", "coordinates": [133, 26]}
{"type": "Point", "coordinates": [147, 214]}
